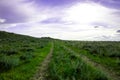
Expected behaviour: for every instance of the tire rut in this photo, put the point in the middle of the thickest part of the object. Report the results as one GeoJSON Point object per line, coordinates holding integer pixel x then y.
{"type": "Point", "coordinates": [40, 75]}
{"type": "Point", "coordinates": [110, 74]}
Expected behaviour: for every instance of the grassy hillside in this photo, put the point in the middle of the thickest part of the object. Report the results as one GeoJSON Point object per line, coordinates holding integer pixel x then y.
{"type": "Point", "coordinates": [20, 55]}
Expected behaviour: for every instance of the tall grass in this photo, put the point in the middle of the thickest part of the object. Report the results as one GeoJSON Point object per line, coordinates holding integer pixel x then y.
{"type": "Point", "coordinates": [100, 48]}
{"type": "Point", "coordinates": [105, 53]}
{"type": "Point", "coordinates": [65, 65]}
{"type": "Point", "coordinates": [20, 55]}
{"type": "Point", "coordinates": [8, 62]}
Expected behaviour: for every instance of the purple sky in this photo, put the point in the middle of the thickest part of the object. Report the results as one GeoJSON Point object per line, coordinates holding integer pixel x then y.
{"type": "Point", "coordinates": [63, 19]}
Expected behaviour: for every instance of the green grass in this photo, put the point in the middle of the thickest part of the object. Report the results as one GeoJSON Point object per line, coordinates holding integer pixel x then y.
{"type": "Point", "coordinates": [26, 70]}
{"type": "Point", "coordinates": [105, 53]}
{"type": "Point", "coordinates": [66, 65]}
{"type": "Point", "coordinates": [21, 55]}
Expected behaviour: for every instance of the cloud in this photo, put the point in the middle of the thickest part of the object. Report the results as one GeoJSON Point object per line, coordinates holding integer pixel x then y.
{"type": "Point", "coordinates": [55, 20]}
{"type": "Point", "coordinates": [55, 3]}
{"type": "Point", "coordinates": [16, 11]}
{"type": "Point", "coordinates": [60, 3]}
{"type": "Point", "coordinates": [7, 11]}
{"type": "Point", "coordinates": [118, 31]}
{"type": "Point", "coordinates": [2, 20]}
{"type": "Point", "coordinates": [63, 19]}
{"type": "Point", "coordinates": [87, 13]}
{"type": "Point", "coordinates": [108, 3]}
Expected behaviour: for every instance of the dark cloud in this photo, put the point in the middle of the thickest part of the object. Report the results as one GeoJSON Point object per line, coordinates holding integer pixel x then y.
{"type": "Point", "coordinates": [52, 20]}
{"type": "Point", "coordinates": [106, 37]}
{"type": "Point", "coordinates": [55, 3]}
{"type": "Point", "coordinates": [11, 15]}
{"type": "Point", "coordinates": [96, 26]}
{"type": "Point", "coordinates": [109, 3]}
{"type": "Point", "coordinates": [118, 31]}
{"type": "Point", "coordinates": [99, 24]}
{"type": "Point", "coordinates": [60, 3]}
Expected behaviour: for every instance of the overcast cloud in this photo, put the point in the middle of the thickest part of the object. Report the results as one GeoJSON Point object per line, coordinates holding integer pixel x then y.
{"type": "Point", "coordinates": [63, 19]}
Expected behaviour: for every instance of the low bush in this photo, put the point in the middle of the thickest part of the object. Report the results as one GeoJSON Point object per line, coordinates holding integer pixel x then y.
{"type": "Point", "coordinates": [27, 57]}
{"type": "Point", "coordinates": [9, 52]}
{"type": "Point", "coordinates": [8, 62]}
{"type": "Point", "coordinates": [27, 49]}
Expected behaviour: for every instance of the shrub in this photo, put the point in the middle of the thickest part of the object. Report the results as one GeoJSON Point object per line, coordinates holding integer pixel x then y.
{"type": "Point", "coordinates": [9, 52]}
{"type": "Point", "coordinates": [27, 49]}
{"type": "Point", "coordinates": [41, 46]}
{"type": "Point", "coordinates": [27, 56]}
{"type": "Point", "coordinates": [8, 62]}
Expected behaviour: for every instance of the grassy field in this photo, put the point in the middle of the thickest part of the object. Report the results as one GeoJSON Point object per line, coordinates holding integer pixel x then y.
{"type": "Point", "coordinates": [67, 65]}
{"type": "Point", "coordinates": [20, 57]}
{"type": "Point", "coordinates": [104, 53]}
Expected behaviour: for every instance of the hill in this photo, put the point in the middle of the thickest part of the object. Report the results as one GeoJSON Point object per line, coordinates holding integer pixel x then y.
{"type": "Point", "coordinates": [20, 53]}
{"type": "Point", "coordinates": [24, 58]}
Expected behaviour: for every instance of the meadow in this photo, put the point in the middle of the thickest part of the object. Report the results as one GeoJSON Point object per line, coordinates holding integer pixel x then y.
{"type": "Point", "coordinates": [67, 65]}
{"type": "Point", "coordinates": [20, 57]}
{"type": "Point", "coordinates": [106, 53]}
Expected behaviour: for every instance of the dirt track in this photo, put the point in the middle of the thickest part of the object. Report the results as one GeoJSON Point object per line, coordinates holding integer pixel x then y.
{"type": "Point", "coordinates": [40, 75]}
{"type": "Point", "coordinates": [110, 74]}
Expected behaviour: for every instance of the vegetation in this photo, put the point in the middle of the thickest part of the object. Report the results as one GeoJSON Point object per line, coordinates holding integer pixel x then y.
{"type": "Point", "coordinates": [66, 65]}
{"type": "Point", "coordinates": [105, 53]}
{"type": "Point", "coordinates": [20, 55]}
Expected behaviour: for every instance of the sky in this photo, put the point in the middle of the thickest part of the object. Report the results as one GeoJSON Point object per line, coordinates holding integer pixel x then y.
{"type": "Point", "coordinates": [96, 20]}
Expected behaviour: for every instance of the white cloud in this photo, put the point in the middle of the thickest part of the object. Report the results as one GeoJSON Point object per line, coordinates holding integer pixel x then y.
{"type": "Point", "coordinates": [78, 19]}
{"type": "Point", "coordinates": [85, 13]}
{"type": "Point", "coordinates": [72, 32]}
{"type": "Point", "coordinates": [2, 20]}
